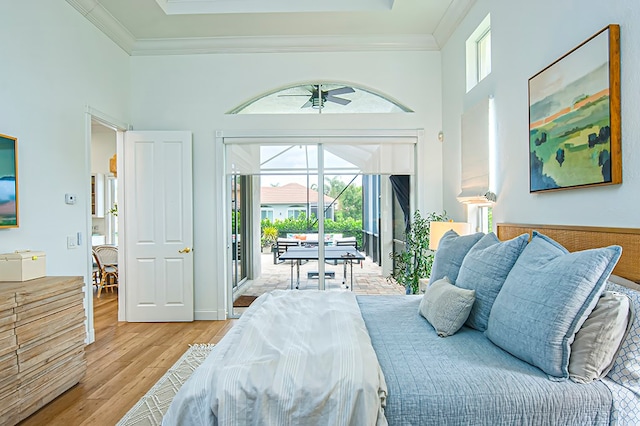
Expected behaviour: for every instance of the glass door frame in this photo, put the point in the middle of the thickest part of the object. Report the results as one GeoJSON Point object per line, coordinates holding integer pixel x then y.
{"type": "Point", "coordinates": [284, 137]}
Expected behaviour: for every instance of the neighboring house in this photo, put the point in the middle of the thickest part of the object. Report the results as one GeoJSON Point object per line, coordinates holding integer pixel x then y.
{"type": "Point", "coordinates": [290, 200]}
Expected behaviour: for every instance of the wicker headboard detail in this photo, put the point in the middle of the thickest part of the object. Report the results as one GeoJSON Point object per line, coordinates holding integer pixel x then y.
{"type": "Point", "coordinates": [585, 237]}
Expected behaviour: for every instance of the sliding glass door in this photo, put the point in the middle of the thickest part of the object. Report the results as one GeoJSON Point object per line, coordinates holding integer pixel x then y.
{"type": "Point", "coordinates": [311, 191]}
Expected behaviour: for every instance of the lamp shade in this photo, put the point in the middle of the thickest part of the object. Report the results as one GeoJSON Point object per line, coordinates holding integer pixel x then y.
{"type": "Point", "coordinates": [438, 229]}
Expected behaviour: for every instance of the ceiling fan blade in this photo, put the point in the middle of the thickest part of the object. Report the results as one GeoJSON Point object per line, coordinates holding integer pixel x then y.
{"type": "Point", "coordinates": [306, 105]}
{"type": "Point", "coordinates": [307, 95]}
{"type": "Point", "coordinates": [340, 91]}
{"type": "Point", "coordinates": [338, 100]}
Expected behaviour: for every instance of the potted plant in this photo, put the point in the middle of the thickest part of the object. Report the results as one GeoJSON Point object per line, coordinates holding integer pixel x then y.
{"type": "Point", "coordinates": [269, 237]}
{"type": "Point", "coordinates": [416, 260]}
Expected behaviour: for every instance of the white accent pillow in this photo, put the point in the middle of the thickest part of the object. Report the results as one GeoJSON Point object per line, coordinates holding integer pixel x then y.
{"type": "Point", "coordinates": [446, 306]}
{"type": "Point", "coordinates": [598, 341]}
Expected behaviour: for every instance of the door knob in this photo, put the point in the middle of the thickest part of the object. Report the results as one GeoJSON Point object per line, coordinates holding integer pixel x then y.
{"type": "Point", "coordinates": [185, 250]}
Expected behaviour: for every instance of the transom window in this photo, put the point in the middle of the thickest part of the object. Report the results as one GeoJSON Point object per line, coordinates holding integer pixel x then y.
{"type": "Point", "coordinates": [478, 53]}
{"type": "Point", "coordinates": [320, 98]}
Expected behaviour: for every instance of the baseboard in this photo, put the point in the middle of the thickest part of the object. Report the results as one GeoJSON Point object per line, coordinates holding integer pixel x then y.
{"type": "Point", "coordinates": [91, 337]}
{"type": "Point", "coordinates": [208, 316]}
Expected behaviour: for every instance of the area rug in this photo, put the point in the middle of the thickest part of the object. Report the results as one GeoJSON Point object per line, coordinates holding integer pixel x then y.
{"type": "Point", "coordinates": [244, 301]}
{"type": "Point", "coordinates": [152, 407]}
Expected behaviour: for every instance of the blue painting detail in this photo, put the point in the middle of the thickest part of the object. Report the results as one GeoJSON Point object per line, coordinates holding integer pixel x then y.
{"type": "Point", "coordinates": [538, 179]}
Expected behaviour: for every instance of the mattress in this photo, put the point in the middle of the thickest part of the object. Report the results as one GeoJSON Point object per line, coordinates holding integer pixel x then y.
{"type": "Point", "coordinates": [466, 379]}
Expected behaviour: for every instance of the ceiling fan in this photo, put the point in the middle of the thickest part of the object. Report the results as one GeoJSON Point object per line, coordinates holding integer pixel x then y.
{"type": "Point", "coordinates": [318, 97]}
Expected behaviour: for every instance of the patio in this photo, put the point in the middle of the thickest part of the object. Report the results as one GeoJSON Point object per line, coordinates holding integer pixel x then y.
{"type": "Point", "coordinates": [367, 278]}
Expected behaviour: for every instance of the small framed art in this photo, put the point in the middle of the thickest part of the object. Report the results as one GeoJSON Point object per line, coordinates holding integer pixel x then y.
{"type": "Point", "coordinates": [8, 182]}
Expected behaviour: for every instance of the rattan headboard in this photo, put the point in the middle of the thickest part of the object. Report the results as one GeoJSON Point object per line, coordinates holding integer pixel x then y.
{"type": "Point", "coordinates": [585, 237]}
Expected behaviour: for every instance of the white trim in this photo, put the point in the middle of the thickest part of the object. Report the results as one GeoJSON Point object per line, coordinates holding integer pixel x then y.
{"type": "Point", "coordinates": [223, 137]}
{"type": "Point", "coordinates": [222, 232]}
{"type": "Point", "coordinates": [108, 121]}
{"type": "Point", "coordinates": [253, 136]}
{"type": "Point", "coordinates": [208, 315]}
{"type": "Point", "coordinates": [451, 19]}
{"type": "Point", "coordinates": [105, 22]}
{"type": "Point", "coordinates": [122, 233]}
{"type": "Point", "coordinates": [93, 11]}
{"type": "Point", "coordinates": [471, 52]}
{"type": "Point", "coordinates": [283, 44]}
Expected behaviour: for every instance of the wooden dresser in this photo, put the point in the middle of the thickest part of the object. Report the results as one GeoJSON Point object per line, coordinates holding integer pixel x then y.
{"type": "Point", "coordinates": [42, 336]}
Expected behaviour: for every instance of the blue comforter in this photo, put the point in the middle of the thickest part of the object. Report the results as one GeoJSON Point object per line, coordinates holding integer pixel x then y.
{"type": "Point", "coordinates": [465, 379]}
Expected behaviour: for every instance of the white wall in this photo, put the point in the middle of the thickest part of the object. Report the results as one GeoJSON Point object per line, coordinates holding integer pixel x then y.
{"type": "Point", "coordinates": [54, 64]}
{"type": "Point", "coordinates": [194, 92]}
{"type": "Point", "coordinates": [523, 43]}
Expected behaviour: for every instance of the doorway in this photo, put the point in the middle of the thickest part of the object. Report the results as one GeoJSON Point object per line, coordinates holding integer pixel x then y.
{"type": "Point", "coordinates": [102, 222]}
{"type": "Point", "coordinates": [104, 214]}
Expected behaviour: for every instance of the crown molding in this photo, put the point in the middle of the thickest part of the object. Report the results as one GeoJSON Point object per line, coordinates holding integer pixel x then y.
{"type": "Point", "coordinates": [454, 15]}
{"type": "Point", "coordinates": [279, 44]}
{"type": "Point", "coordinates": [105, 22]}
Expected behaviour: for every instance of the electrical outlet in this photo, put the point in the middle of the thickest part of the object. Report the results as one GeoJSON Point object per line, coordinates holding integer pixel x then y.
{"type": "Point", "coordinates": [72, 242]}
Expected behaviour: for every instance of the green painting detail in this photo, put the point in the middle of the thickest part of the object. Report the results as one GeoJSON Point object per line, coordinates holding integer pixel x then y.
{"type": "Point", "coordinates": [570, 134]}
{"type": "Point", "coordinates": [8, 188]}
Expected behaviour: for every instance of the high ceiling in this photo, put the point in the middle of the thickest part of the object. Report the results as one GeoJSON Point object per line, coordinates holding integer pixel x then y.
{"type": "Point", "coordinates": [200, 26]}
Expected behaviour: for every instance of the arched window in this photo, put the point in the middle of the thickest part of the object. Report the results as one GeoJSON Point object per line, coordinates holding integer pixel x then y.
{"type": "Point", "coordinates": [320, 98]}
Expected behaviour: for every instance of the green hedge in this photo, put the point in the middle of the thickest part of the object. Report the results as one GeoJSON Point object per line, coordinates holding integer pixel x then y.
{"type": "Point", "coordinates": [348, 227]}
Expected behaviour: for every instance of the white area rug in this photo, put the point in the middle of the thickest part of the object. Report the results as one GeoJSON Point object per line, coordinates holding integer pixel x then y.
{"type": "Point", "coordinates": [152, 407]}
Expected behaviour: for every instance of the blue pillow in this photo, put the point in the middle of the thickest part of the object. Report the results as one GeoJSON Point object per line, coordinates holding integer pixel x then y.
{"type": "Point", "coordinates": [451, 251]}
{"type": "Point", "coordinates": [545, 300]}
{"type": "Point", "coordinates": [484, 270]}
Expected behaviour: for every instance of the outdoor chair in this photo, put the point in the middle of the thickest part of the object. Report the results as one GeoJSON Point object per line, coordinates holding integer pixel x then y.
{"type": "Point", "coordinates": [348, 241]}
{"type": "Point", "coordinates": [282, 244]}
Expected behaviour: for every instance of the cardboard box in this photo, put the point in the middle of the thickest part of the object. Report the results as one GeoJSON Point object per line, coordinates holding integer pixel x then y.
{"type": "Point", "coordinates": [22, 265]}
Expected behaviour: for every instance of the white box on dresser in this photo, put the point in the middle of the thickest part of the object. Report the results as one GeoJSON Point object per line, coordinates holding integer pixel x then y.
{"type": "Point", "coordinates": [23, 265]}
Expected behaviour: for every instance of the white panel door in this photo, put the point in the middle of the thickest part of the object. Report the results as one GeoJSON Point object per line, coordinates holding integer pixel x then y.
{"type": "Point", "coordinates": [158, 226]}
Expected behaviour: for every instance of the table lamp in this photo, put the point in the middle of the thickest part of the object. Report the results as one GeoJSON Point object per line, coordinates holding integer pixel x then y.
{"type": "Point", "coordinates": [438, 229]}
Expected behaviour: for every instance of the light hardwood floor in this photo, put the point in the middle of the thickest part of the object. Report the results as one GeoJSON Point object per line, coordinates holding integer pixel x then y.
{"type": "Point", "coordinates": [122, 365]}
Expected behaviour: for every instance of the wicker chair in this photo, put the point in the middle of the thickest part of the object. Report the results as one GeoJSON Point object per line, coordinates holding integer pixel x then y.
{"type": "Point", "coordinates": [96, 268]}
{"type": "Point", "coordinates": [107, 259]}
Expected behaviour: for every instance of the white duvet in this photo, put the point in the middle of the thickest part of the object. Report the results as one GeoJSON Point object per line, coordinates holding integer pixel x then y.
{"type": "Point", "coordinates": [294, 358]}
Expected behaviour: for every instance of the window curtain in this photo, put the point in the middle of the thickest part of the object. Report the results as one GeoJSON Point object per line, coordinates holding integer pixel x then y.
{"type": "Point", "coordinates": [401, 190]}
{"type": "Point", "coordinates": [475, 164]}
{"type": "Point", "coordinates": [343, 155]}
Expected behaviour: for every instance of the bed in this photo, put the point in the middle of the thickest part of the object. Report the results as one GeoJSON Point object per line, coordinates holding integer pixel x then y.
{"type": "Point", "coordinates": [335, 358]}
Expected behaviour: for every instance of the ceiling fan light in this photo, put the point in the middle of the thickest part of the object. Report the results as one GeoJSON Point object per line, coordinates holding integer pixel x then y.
{"type": "Point", "coordinates": [316, 102]}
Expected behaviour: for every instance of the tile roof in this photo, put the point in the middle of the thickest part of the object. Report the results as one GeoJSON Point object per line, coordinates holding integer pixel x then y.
{"type": "Point", "coordinates": [291, 193]}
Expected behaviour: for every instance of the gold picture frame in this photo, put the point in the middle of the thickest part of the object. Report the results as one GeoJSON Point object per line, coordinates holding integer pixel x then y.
{"type": "Point", "coordinates": [8, 182]}
{"type": "Point", "coordinates": [574, 117]}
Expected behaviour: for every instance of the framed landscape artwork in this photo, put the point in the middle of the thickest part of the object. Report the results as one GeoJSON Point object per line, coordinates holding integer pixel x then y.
{"type": "Point", "coordinates": [8, 182]}
{"type": "Point", "coordinates": [574, 117]}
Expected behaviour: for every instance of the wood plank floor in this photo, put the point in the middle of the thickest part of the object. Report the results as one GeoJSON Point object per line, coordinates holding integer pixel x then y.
{"type": "Point", "coordinates": [122, 365]}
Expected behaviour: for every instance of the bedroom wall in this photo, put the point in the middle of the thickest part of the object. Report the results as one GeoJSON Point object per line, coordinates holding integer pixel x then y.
{"type": "Point", "coordinates": [522, 45]}
{"type": "Point", "coordinates": [55, 63]}
{"type": "Point", "coordinates": [193, 93]}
